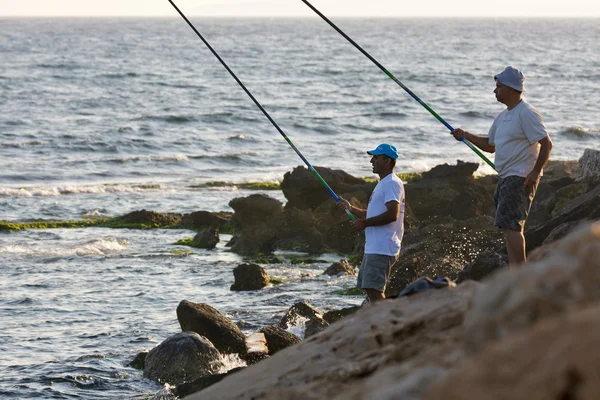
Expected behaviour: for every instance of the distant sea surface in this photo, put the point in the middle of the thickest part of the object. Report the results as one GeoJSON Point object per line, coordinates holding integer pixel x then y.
{"type": "Point", "coordinates": [100, 117]}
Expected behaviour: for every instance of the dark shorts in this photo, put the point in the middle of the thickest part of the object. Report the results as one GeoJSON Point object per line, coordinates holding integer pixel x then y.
{"type": "Point", "coordinates": [375, 271]}
{"type": "Point", "coordinates": [513, 202]}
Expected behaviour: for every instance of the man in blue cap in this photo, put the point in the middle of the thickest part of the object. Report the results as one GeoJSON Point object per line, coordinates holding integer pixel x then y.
{"type": "Point", "coordinates": [522, 148]}
{"type": "Point", "coordinates": [383, 223]}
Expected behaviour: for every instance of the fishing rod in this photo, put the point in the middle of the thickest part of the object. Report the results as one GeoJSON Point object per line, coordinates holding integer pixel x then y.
{"type": "Point", "coordinates": [310, 167]}
{"type": "Point", "coordinates": [388, 73]}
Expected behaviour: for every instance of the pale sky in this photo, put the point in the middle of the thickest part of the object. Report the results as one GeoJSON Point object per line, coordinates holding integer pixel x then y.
{"type": "Point", "coordinates": [354, 8]}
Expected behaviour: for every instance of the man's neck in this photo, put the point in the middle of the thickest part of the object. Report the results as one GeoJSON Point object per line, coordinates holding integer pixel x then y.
{"type": "Point", "coordinates": [384, 174]}
{"type": "Point", "coordinates": [513, 103]}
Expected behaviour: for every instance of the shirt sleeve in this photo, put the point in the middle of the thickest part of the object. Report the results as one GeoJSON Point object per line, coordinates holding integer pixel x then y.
{"type": "Point", "coordinates": [533, 125]}
{"type": "Point", "coordinates": [492, 133]}
{"type": "Point", "coordinates": [392, 192]}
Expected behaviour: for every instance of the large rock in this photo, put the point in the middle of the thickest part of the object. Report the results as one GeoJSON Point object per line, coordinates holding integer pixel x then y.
{"type": "Point", "coordinates": [461, 170]}
{"type": "Point", "coordinates": [340, 267]}
{"type": "Point", "coordinates": [198, 220]}
{"type": "Point", "coordinates": [484, 265]}
{"type": "Point", "coordinates": [508, 303]}
{"type": "Point", "coordinates": [335, 315]}
{"type": "Point", "coordinates": [556, 359]}
{"type": "Point", "coordinates": [582, 208]}
{"type": "Point", "coordinates": [278, 338]}
{"type": "Point", "coordinates": [303, 312]}
{"type": "Point", "coordinates": [182, 358]}
{"type": "Point", "coordinates": [590, 164]}
{"type": "Point", "coordinates": [210, 323]}
{"type": "Point", "coordinates": [304, 191]}
{"type": "Point", "coordinates": [249, 277]}
{"type": "Point", "coordinates": [442, 247]}
{"type": "Point", "coordinates": [151, 219]}
{"type": "Point", "coordinates": [255, 209]}
{"type": "Point", "coordinates": [450, 190]}
{"type": "Point", "coordinates": [207, 238]}
{"type": "Point", "coordinates": [258, 217]}
{"type": "Point", "coordinates": [203, 382]}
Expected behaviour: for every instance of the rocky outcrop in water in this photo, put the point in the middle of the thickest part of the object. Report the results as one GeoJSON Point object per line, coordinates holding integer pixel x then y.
{"type": "Point", "coordinates": [278, 338]}
{"type": "Point", "coordinates": [249, 277]}
{"type": "Point", "coordinates": [302, 311]}
{"type": "Point", "coordinates": [340, 267]}
{"type": "Point", "coordinates": [210, 323]}
{"type": "Point", "coordinates": [182, 358]}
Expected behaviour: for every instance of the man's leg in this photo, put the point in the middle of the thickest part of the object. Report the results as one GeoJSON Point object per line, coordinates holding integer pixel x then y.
{"type": "Point", "coordinates": [375, 295]}
{"type": "Point", "coordinates": [515, 245]}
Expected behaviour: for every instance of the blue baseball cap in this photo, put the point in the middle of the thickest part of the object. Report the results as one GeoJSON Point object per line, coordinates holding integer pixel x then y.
{"type": "Point", "coordinates": [385, 149]}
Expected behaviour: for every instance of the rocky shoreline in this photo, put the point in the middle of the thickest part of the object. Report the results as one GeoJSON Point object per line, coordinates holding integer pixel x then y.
{"type": "Point", "coordinates": [411, 347]}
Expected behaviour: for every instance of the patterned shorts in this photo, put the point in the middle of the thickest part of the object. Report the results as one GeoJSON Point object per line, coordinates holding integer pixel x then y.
{"type": "Point", "coordinates": [513, 202]}
{"type": "Point", "coordinates": [375, 271]}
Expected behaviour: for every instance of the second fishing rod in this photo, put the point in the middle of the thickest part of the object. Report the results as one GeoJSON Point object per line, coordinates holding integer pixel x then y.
{"type": "Point", "coordinates": [310, 167]}
{"type": "Point", "coordinates": [391, 76]}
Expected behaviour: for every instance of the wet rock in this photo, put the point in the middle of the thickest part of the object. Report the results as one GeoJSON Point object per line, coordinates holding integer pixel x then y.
{"type": "Point", "coordinates": [314, 326]}
{"type": "Point", "coordinates": [585, 207]}
{"type": "Point", "coordinates": [151, 218]}
{"type": "Point", "coordinates": [255, 209]}
{"type": "Point", "coordinates": [556, 359]}
{"type": "Point", "coordinates": [304, 191]}
{"type": "Point", "coordinates": [207, 238]}
{"type": "Point", "coordinates": [560, 169]}
{"type": "Point", "coordinates": [442, 247]}
{"type": "Point", "coordinates": [201, 383]}
{"type": "Point", "coordinates": [450, 190]}
{"type": "Point", "coordinates": [139, 360]}
{"type": "Point", "coordinates": [462, 170]}
{"type": "Point", "coordinates": [590, 164]}
{"type": "Point", "coordinates": [341, 266]}
{"type": "Point", "coordinates": [336, 315]}
{"type": "Point", "coordinates": [514, 301]}
{"type": "Point", "coordinates": [303, 311]}
{"type": "Point", "coordinates": [210, 323]}
{"type": "Point", "coordinates": [278, 338]}
{"type": "Point", "coordinates": [258, 217]}
{"type": "Point", "coordinates": [198, 220]}
{"type": "Point", "coordinates": [182, 358]}
{"type": "Point", "coordinates": [484, 265]}
{"type": "Point", "coordinates": [249, 277]}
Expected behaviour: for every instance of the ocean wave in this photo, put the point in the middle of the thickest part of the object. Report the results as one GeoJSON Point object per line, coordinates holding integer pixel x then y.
{"type": "Point", "coordinates": [67, 190]}
{"type": "Point", "coordinates": [578, 132]}
{"type": "Point", "coordinates": [133, 159]}
{"type": "Point", "coordinates": [172, 119]}
{"type": "Point", "coordinates": [120, 75]}
{"type": "Point", "coordinates": [66, 66]}
{"type": "Point", "coordinates": [240, 137]}
{"type": "Point", "coordinates": [93, 247]}
{"type": "Point", "coordinates": [237, 158]}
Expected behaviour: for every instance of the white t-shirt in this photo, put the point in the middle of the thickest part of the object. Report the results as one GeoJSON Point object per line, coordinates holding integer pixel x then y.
{"type": "Point", "coordinates": [515, 134]}
{"type": "Point", "coordinates": [385, 239]}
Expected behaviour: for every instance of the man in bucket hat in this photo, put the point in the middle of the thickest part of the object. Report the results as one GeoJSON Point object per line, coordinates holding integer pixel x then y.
{"type": "Point", "coordinates": [383, 223]}
{"type": "Point", "coordinates": [522, 148]}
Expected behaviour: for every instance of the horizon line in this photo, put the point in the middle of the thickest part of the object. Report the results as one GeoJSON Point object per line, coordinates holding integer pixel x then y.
{"type": "Point", "coordinates": [307, 16]}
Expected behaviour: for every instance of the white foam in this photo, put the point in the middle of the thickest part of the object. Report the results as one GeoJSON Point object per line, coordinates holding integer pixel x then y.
{"type": "Point", "coordinates": [84, 189]}
{"type": "Point", "coordinates": [93, 247]}
{"type": "Point", "coordinates": [231, 361]}
{"type": "Point", "coordinates": [175, 157]}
